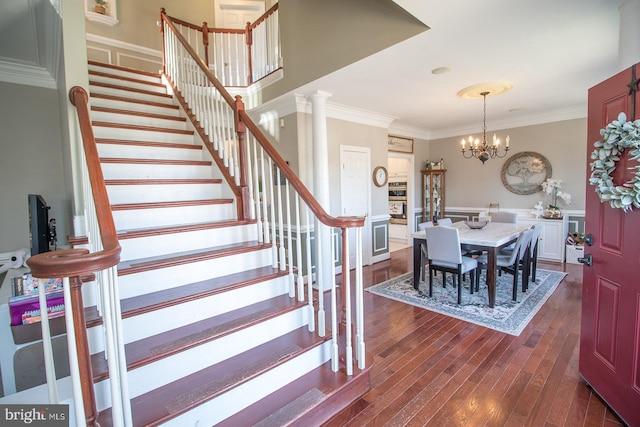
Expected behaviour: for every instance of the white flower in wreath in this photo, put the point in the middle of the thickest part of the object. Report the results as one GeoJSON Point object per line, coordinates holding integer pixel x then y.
{"type": "Point", "coordinates": [616, 137]}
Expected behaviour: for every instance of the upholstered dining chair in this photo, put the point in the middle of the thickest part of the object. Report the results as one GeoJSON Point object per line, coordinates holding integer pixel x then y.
{"type": "Point", "coordinates": [445, 255]}
{"type": "Point", "coordinates": [504, 216]}
{"type": "Point", "coordinates": [533, 254]}
{"type": "Point", "coordinates": [423, 248]}
{"type": "Point", "coordinates": [511, 262]}
{"type": "Point", "coordinates": [445, 221]}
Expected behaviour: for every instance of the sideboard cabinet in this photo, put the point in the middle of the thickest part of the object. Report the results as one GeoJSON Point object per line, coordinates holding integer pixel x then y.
{"type": "Point", "coordinates": [551, 246]}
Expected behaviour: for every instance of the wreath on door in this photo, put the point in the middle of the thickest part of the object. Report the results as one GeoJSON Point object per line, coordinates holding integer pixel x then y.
{"type": "Point", "coordinates": [617, 136]}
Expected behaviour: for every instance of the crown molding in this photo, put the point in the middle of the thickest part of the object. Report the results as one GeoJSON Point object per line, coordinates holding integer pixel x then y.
{"type": "Point", "coordinates": [300, 103]}
{"type": "Point", "coordinates": [571, 113]}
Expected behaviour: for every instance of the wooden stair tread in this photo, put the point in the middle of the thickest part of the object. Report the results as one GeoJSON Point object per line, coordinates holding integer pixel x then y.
{"type": "Point", "coordinates": [157, 181]}
{"type": "Point", "coordinates": [165, 104]}
{"type": "Point", "coordinates": [143, 128]}
{"type": "Point", "coordinates": [297, 402]}
{"type": "Point", "coordinates": [156, 300]}
{"type": "Point", "coordinates": [180, 203]}
{"type": "Point", "coordinates": [165, 344]}
{"type": "Point", "coordinates": [179, 258]}
{"type": "Point", "coordinates": [126, 160]}
{"type": "Point", "coordinates": [154, 231]}
{"type": "Point", "coordinates": [171, 400]}
{"type": "Point", "coordinates": [127, 79]}
{"type": "Point", "coordinates": [131, 89]}
{"type": "Point", "coordinates": [138, 114]}
{"type": "Point", "coordinates": [148, 143]}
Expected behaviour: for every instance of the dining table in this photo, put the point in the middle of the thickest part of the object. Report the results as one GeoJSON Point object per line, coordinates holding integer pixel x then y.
{"type": "Point", "coordinates": [490, 239]}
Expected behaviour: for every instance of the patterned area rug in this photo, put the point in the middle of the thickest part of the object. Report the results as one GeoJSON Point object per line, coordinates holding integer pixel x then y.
{"type": "Point", "coordinates": [507, 316]}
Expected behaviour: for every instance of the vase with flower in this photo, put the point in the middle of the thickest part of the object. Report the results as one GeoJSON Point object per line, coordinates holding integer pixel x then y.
{"type": "Point", "coordinates": [553, 188]}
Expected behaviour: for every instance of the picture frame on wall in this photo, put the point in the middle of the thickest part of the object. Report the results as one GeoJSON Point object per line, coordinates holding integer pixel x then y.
{"type": "Point", "coordinates": [399, 144]}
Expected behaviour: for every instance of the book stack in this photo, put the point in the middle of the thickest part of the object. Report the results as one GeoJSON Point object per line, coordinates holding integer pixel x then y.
{"type": "Point", "coordinates": [24, 305]}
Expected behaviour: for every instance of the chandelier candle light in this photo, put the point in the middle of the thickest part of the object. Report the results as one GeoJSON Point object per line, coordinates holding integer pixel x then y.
{"type": "Point", "coordinates": [484, 151]}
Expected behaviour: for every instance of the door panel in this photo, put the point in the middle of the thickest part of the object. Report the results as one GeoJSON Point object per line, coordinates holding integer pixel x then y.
{"type": "Point", "coordinates": [610, 329]}
{"type": "Point", "coordinates": [354, 194]}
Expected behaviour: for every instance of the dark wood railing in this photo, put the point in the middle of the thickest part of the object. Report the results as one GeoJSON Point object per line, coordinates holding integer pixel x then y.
{"type": "Point", "coordinates": [76, 263]}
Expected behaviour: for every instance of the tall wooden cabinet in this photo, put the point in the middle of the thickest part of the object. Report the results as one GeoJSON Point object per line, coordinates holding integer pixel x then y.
{"type": "Point", "coordinates": [432, 194]}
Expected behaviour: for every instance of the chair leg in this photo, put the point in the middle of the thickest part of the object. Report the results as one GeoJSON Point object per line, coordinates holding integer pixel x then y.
{"type": "Point", "coordinates": [430, 282]}
{"type": "Point", "coordinates": [515, 281]}
{"type": "Point", "coordinates": [459, 288]}
{"type": "Point", "coordinates": [444, 279]}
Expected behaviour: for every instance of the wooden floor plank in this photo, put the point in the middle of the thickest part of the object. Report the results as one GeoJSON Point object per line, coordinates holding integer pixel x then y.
{"type": "Point", "coordinates": [430, 369]}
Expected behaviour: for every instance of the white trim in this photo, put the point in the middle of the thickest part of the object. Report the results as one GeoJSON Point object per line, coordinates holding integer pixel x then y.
{"type": "Point", "coordinates": [123, 45]}
{"type": "Point", "coordinates": [120, 55]}
{"type": "Point", "coordinates": [25, 74]}
{"type": "Point", "coordinates": [298, 103]}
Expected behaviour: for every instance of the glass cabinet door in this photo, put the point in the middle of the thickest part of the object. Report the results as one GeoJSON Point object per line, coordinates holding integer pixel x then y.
{"type": "Point", "coordinates": [432, 194]}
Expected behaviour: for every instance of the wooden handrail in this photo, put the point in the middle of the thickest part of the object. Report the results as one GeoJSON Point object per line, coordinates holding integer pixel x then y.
{"type": "Point", "coordinates": [79, 262]}
{"type": "Point", "coordinates": [264, 16]}
{"type": "Point", "coordinates": [285, 169]}
{"type": "Point", "coordinates": [316, 208]}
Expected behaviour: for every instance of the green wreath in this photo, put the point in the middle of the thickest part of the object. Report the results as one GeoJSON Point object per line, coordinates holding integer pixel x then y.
{"type": "Point", "coordinates": [616, 137]}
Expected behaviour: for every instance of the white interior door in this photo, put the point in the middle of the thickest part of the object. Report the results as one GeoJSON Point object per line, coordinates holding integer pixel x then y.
{"type": "Point", "coordinates": [233, 14]}
{"type": "Point", "coordinates": [355, 194]}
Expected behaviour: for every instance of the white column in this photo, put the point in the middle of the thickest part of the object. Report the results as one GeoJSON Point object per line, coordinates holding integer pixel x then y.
{"type": "Point", "coordinates": [321, 185]}
{"type": "Point", "coordinates": [629, 34]}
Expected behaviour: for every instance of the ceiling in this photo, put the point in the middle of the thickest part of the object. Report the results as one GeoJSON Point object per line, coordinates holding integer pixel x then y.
{"type": "Point", "coordinates": [551, 51]}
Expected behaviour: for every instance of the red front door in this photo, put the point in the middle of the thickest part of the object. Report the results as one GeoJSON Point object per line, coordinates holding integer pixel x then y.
{"type": "Point", "coordinates": [610, 333]}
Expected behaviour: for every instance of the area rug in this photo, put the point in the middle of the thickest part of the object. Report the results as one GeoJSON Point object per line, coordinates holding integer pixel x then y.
{"type": "Point", "coordinates": [507, 316]}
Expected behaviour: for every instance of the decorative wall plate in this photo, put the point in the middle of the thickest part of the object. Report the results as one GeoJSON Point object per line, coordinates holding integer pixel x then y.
{"type": "Point", "coordinates": [523, 172]}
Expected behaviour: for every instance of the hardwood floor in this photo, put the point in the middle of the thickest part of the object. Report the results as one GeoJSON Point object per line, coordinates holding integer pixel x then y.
{"type": "Point", "coordinates": [430, 369]}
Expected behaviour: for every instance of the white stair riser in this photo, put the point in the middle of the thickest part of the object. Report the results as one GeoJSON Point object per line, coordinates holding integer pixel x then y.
{"type": "Point", "coordinates": [227, 404]}
{"type": "Point", "coordinates": [130, 151]}
{"type": "Point", "coordinates": [165, 244]}
{"type": "Point", "coordinates": [149, 377]}
{"type": "Point", "coordinates": [144, 108]}
{"type": "Point", "coordinates": [125, 73]}
{"type": "Point", "coordinates": [141, 135]}
{"type": "Point", "coordinates": [176, 316]}
{"type": "Point", "coordinates": [156, 280]}
{"type": "Point", "coordinates": [123, 93]}
{"type": "Point", "coordinates": [131, 119]}
{"type": "Point", "coordinates": [155, 171]}
{"type": "Point", "coordinates": [127, 83]}
{"type": "Point", "coordinates": [122, 194]}
{"type": "Point", "coordinates": [131, 219]}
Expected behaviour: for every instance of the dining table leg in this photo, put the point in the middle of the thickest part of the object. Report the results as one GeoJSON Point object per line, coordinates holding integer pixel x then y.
{"type": "Point", "coordinates": [491, 275]}
{"type": "Point", "coordinates": [417, 256]}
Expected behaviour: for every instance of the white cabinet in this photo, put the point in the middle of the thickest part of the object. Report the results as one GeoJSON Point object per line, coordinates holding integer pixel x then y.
{"type": "Point", "coordinates": [551, 246]}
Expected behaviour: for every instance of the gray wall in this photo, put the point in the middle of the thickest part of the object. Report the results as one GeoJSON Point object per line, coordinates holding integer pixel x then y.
{"type": "Point", "coordinates": [31, 162]}
{"type": "Point", "coordinates": [469, 183]}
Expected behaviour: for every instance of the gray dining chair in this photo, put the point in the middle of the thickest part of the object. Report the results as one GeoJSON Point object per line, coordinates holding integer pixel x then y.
{"type": "Point", "coordinates": [445, 256]}
{"type": "Point", "coordinates": [503, 216]}
{"type": "Point", "coordinates": [511, 262]}
{"type": "Point", "coordinates": [423, 249]}
{"type": "Point", "coordinates": [445, 221]}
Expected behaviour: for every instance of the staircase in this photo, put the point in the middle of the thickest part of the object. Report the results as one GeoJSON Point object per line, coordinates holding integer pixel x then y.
{"type": "Point", "coordinates": [212, 335]}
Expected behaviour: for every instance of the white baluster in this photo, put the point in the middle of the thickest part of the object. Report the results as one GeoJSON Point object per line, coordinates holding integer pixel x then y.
{"type": "Point", "coordinates": [346, 283]}
{"type": "Point", "coordinates": [312, 325]}
{"type": "Point", "coordinates": [292, 282]}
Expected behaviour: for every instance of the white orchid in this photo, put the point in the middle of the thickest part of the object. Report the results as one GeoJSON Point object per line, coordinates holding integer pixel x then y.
{"type": "Point", "coordinates": [553, 188]}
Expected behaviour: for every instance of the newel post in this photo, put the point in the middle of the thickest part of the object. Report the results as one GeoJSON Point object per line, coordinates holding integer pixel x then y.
{"type": "Point", "coordinates": [84, 356]}
{"type": "Point", "coordinates": [244, 211]}
{"type": "Point", "coordinates": [248, 34]}
{"type": "Point", "coordinates": [164, 54]}
{"type": "Point", "coordinates": [205, 42]}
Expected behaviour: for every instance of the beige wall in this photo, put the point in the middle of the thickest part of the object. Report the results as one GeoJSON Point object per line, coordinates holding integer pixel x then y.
{"type": "Point", "coordinates": [469, 183]}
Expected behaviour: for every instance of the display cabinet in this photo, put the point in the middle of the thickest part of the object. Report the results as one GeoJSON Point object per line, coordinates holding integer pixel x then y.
{"type": "Point", "coordinates": [433, 201]}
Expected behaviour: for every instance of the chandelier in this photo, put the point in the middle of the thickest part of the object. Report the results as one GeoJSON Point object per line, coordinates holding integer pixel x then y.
{"type": "Point", "coordinates": [481, 150]}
